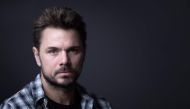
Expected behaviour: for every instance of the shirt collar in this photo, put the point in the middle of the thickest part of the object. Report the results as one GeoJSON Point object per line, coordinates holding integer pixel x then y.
{"type": "Point", "coordinates": [37, 91]}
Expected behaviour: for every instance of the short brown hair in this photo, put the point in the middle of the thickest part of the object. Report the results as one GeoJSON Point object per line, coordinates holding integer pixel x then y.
{"type": "Point", "coordinates": [59, 17]}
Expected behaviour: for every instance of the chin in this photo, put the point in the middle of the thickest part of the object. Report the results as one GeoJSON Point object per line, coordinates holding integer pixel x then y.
{"type": "Point", "coordinates": [66, 82]}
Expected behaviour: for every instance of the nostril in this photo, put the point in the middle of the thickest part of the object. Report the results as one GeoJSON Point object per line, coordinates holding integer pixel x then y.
{"type": "Point", "coordinates": [61, 64]}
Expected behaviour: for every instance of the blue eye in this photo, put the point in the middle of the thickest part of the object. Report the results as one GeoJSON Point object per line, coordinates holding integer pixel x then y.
{"type": "Point", "coordinates": [74, 50]}
{"type": "Point", "coordinates": [53, 51]}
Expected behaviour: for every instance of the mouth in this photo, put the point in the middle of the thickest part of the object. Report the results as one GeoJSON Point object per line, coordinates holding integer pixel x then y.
{"type": "Point", "coordinates": [65, 74]}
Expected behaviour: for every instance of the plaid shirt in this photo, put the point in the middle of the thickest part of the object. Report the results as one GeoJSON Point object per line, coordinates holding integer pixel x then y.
{"type": "Point", "coordinates": [32, 97]}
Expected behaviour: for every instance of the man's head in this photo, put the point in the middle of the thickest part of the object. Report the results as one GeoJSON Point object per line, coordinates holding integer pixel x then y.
{"type": "Point", "coordinates": [58, 17]}
{"type": "Point", "coordinates": [59, 45]}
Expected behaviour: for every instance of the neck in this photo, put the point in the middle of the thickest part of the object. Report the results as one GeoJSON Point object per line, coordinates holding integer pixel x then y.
{"type": "Point", "coordinates": [58, 94]}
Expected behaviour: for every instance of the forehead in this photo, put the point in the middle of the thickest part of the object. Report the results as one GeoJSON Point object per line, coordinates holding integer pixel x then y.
{"type": "Point", "coordinates": [59, 37]}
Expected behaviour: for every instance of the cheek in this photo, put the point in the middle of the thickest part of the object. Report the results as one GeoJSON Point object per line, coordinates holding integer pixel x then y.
{"type": "Point", "coordinates": [77, 61]}
{"type": "Point", "coordinates": [49, 64]}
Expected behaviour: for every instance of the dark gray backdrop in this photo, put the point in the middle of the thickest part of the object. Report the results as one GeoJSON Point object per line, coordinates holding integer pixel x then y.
{"type": "Point", "coordinates": [137, 56]}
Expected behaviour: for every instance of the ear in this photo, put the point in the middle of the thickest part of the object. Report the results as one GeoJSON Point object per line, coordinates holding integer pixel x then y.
{"type": "Point", "coordinates": [36, 55]}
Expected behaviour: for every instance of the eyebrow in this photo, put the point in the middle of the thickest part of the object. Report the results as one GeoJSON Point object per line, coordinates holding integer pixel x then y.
{"type": "Point", "coordinates": [53, 48]}
{"type": "Point", "coordinates": [72, 47]}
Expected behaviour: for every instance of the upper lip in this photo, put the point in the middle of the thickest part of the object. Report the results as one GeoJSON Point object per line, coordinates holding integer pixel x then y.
{"type": "Point", "coordinates": [64, 71]}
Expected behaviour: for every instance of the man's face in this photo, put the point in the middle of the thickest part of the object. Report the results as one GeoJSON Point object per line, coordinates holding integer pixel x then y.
{"type": "Point", "coordinates": [60, 56]}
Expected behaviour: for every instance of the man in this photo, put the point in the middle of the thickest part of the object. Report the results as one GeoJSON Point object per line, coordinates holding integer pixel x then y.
{"type": "Point", "coordinates": [59, 39]}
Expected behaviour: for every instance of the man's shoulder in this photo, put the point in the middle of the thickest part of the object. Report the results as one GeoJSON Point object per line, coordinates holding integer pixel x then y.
{"type": "Point", "coordinates": [18, 100]}
{"type": "Point", "coordinates": [26, 97]}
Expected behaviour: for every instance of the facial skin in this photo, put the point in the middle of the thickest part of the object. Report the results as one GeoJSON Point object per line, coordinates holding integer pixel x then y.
{"type": "Point", "coordinates": [60, 56]}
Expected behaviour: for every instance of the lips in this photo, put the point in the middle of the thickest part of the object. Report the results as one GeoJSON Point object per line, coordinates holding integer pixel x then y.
{"type": "Point", "coordinates": [65, 73]}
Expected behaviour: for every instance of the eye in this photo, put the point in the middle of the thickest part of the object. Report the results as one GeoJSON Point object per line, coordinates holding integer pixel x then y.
{"type": "Point", "coordinates": [74, 50]}
{"type": "Point", "coordinates": [53, 51]}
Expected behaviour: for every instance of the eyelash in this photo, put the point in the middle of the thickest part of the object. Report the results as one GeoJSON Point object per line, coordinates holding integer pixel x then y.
{"type": "Point", "coordinates": [70, 51]}
{"type": "Point", "coordinates": [52, 51]}
{"type": "Point", "coordinates": [74, 50]}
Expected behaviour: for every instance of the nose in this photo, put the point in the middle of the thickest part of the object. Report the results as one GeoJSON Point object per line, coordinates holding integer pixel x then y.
{"type": "Point", "coordinates": [64, 59]}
